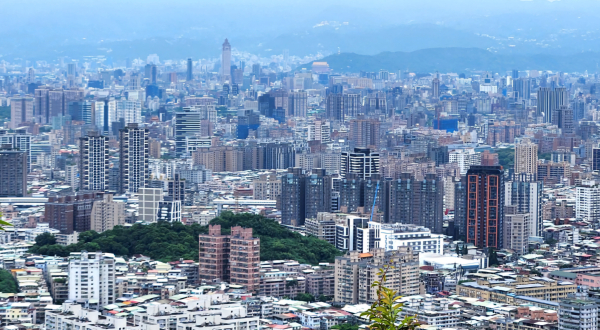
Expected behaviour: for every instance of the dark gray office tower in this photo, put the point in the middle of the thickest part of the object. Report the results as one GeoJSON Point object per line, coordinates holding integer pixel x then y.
{"type": "Point", "coordinates": [153, 74]}
{"type": "Point", "coordinates": [266, 105]}
{"type": "Point", "coordinates": [418, 202]}
{"type": "Point", "coordinates": [256, 71]}
{"type": "Point", "coordinates": [578, 107]}
{"type": "Point", "coordinates": [134, 157]}
{"type": "Point", "coordinates": [278, 155]}
{"type": "Point", "coordinates": [563, 118]}
{"type": "Point", "coordinates": [292, 191]}
{"type": "Point", "coordinates": [549, 100]}
{"type": "Point", "coordinates": [93, 162]}
{"type": "Point", "coordinates": [435, 88]}
{"type": "Point", "coordinates": [303, 195]}
{"type": "Point", "coordinates": [190, 74]}
{"type": "Point", "coordinates": [80, 111]}
{"type": "Point", "coordinates": [485, 206]}
{"type": "Point", "coordinates": [13, 172]}
{"type": "Point", "coordinates": [596, 159]}
{"type": "Point", "coordinates": [41, 112]}
{"type": "Point", "coordinates": [114, 175]}
{"type": "Point", "coordinates": [439, 155]}
{"type": "Point", "coordinates": [460, 210]}
{"type": "Point", "coordinates": [350, 192]}
{"type": "Point", "coordinates": [522, 88]}
{"type": "Point", "coordinates": [317, 193]}
{"type": "Point", "coordinates": [335, 106]}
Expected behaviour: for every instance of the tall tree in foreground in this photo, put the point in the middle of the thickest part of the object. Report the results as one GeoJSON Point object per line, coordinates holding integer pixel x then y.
{"type": "Point", "coordinates": [385, 311]}
{"type": "Point", "coordinates": [3, 223]}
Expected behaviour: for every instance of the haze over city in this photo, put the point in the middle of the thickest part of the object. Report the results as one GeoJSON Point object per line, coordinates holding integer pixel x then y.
{"type": "Point", "coordinates": [299, 165]}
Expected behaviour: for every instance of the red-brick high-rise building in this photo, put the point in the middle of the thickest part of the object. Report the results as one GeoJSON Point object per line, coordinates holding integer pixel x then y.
{"type": "Point", "coordinates": [485, 206]}
{"type": "Point", "coordinates": [231, 258]}
{"type": "Point", "coordinates": [244, 258]}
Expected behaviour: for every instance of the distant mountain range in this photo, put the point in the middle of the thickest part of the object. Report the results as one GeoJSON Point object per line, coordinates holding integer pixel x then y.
{"type": "Point", "coordinates": [460, 60]}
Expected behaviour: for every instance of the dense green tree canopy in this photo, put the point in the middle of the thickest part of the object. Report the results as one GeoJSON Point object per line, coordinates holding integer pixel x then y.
{"type": "Point", "coordinates": [277, 242]}
{"type": "Point", "coordinates": [8, 284]}
{"type": "Point", "coordinates": [171, 241]}
{"type": "Point", "coordinates": [506, 157]}
{"type": "Point", "coordinates": [45, 239]}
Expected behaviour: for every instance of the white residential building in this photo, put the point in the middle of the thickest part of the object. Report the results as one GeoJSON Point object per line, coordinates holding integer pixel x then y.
{"type": "Point", "coordinates": [587, 205]}
{"type": "Point", "coordinates": [129, 111]}
{"type": "Point", "coordinates": [74, 316]}
{"type": "Point", "coordinates": [71, 175]}
{"type": "Point", "coordinates": [430, 311]}
{"type": "Point", "coordinates": [516, 231]}
{"type": "Point", "coordinates": [419, 238]}
{"type": "Point", "coordinates": [319, 130]}
{"type": "Point", "coordinates": [465, 158]}
{"type": "Point", "coordinates": [105, 114]}
{"type": "Point", "coordinates": [92, 278]}
{"type": "Point", "coordinates": [208, 312]}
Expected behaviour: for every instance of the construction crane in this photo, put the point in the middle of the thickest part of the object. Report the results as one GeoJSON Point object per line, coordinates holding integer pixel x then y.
{"type": "Point", "coordinates": [374, 201]}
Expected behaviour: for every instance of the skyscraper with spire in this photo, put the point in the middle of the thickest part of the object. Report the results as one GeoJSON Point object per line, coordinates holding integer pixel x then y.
{"type": "Point", "coordinates": [226, 62]}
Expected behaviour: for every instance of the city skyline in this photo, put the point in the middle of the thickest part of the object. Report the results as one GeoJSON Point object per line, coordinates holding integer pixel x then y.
{"type": "Point", "coordinates": [264, 165]}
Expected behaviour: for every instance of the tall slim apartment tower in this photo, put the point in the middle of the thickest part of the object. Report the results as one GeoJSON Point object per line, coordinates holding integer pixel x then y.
{"type": "Point", "coordinates": [41, 106]}
{"type": "Point", "coordinates": [526, 157]}
{"type": "Point", "coordinates": [13, 172]}
{"type": "Point", "coordinates": [153, 74]}
{"type": "Point", "coordinates": [190, 74]}
{"type": "Point", "coordinates": [226, 62]}
{"type": "Point", "coordinates": [485, 206]}
{"type": "Point", "coordinates": [92, 278]}
{"type": "Point", "coordinates": [526, 196]}
{"type": "Point", "coordinates": [31, 75]}
{"type": "Point", "coordinates": [71, 73]}
{"type": "Point", "coordinates": [292, 192]}
{"type": "Point", "coordinates": [93, 162]}
{"type": "Point", "coordinates": [134, 157]}
{"type": "Point", "coordinates": [176, 188]}
{"type": "Point", "coordinates": [435, 87]}
{"type": "Point", "coordinates": [596, 159]}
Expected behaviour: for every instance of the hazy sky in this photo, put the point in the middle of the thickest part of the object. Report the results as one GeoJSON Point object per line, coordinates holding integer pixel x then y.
{"type": "Point", "coordinates": [44, 28]}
